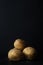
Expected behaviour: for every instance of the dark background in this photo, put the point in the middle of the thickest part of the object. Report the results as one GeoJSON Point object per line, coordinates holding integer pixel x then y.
{"type": "Point", "coordinates": [21, 19]}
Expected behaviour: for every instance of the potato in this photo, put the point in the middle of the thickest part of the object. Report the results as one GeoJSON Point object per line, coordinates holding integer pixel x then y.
{"type": "Point", "coordinates": [19, 44]}
{"type": "Point", "coordinates": [14, 54]}
{"type": "Point", "coordinates": [29, 53]}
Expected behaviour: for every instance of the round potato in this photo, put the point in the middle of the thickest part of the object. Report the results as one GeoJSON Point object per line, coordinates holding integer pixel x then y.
{"type": "Point", "coordinates": [19, 44]}
{"type": "Point", "coordinates": [14, 54]}
{"type": "Point", "coordinates": [29, 52]}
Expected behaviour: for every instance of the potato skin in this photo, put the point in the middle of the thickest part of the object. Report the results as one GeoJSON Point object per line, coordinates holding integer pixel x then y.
{"type": "Point", "coordinates": [19, 44]}
{"type": "Point", "coordinates": [14, 54]}
{"type": "Point", "coordinates": [29, 53]}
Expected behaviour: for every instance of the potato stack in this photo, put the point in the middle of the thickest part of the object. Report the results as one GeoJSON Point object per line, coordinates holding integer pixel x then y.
{"type": "Point", "coordinates": [20, 50]}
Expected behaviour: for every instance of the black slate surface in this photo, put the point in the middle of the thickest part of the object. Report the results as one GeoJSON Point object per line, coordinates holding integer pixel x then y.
{"type": "Point", "coordinates": [25, 62]}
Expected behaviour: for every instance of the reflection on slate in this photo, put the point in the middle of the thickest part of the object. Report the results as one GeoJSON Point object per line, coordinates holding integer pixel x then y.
{"type": "Point", "coordinates": [24, 62]}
